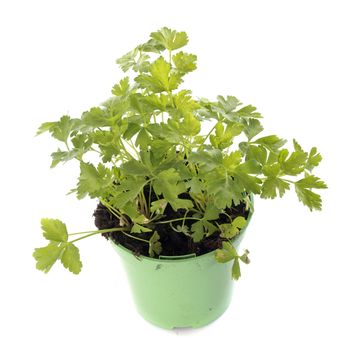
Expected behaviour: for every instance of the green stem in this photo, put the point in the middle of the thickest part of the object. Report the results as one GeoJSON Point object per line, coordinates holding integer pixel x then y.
{"type": "Point", "coordinates": [98, 232]}
{"type": "Point", "coordinates": [179, 219]}
{"type": "Point", "coordinates": [137, 238]}
{"type": "Point", "coordinates": [206, 137]}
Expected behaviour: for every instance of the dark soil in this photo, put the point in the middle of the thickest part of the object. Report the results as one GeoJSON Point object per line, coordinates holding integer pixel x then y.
{"type": "Point", "coordinates": [173, 243]}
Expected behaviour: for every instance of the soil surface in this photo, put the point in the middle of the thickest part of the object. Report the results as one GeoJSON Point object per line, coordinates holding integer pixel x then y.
{"type": "Point", "coordinates": [173, 243]}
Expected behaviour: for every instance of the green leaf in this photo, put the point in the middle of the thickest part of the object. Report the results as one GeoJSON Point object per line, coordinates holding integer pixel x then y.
{"type": "Point", "coordinates": [231, 230]}
{"type": "Point", "coordinates": [313, 160]}
{"type": "Point", "coordinates": [93, 181]}
{"type": "Point", "coordinates": [54, 230]}
{"type": "Point", "coordinates": [168, 183]}
{"type": "Point", "coordinates": [128, 60]}
{"type": "Point", "coordinates": [305, 195]}
{"type": "Point", "coordinates": [63, 156]}
{"type": "Point", "coordinates": [44, 127]}
{"type": "Point", "coordinates": [134, 167]}
{"type": "Point", "coordinates": [252, 128]}
{"type": "Point", "coordinates": [228, 104]}
{"type": "Point", "coordinates": [45, 257]}
{"type": "Point", "coordinates": [272, 142]}
{"type": "Point", "coordinates": [227, 253]}
{"type": "Point", "coordinates": [136, 228]}
{"type": "Point", "coordinates": [236, 270]}
{"type": "Point", "coordinates": [258, 153]}
{"type": "Point", "coordinates": [143, 139]}
{"type": "Point", "coordinates": [190, 126]}
{"type": "Point", "coordinates": [184, 103]}
{"type": "Point", "coordinates": [128, 190]}
{"type": "Point", "coordinates": [155, 246]}
{"type": "Point", "coordinates": [96, 117]}
{"type": "Point", "coordinates": [222, 189]}
{"type": "Point", "coordinates": [63, 128]}
{"type": "Point", "coordinates": [248, 112]}
{"type": "Point", "coordinates": [311, 181]}
{"type": "Point", "coordinates": [295, 164]}
{"type": "Point", "coordinates": [202, 228]}
{"type": "Point", "coordinates": [160, 79]}
{"type": "Point", "coordinates": [185, 62]}
{"type": "Point", "coordinates": [170, 39]}
{"type": "Point", "coordinates": [121, 89]}
{"type": "Point", "coordinates": [158, 206]}
{"type": "Point", "coordinates": [308, 198]}
{"type": "Point", "coordinates": [273, 182]}
{"type": "Point", "coordinates": [71, 258]}
{"type": "Point", "coordinates": [224, 137]}
{"type": "Point", "coordinates": [207, 160]}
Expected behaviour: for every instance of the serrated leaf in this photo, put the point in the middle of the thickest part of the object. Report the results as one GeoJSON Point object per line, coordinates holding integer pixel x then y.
{"type": "Point", "coordinates": [185, 62]}
{"type": "Point", "coordinates": [160, 78]}
{"type": "Point", "coordinates": [71, 258]}
{"type": "Point", "coordinates": [223, 190]}
{"type": "Point", "coordinates": [313, 160]}
{"type": "Point", "coordinates": [170, 39]}
{"type": "Point", "coordinates": [271, 185]}
{"type": "Point", "coordinates": [169, 184]}
{"type": "Point", "coordinates": [228, 104]}
{"type": "Point", "coordinates": [252, 128]}
{"type": "Point", "coordinates": [96, 117]}
{"type": "Point", "coordinates": [308, 198]}
{"type": "Point", "coordinates": [295, 164]}
{"type": "Point", "coordinates": [62, 129]}
{"type": "Point", "coordinates": [247, 112]}
{"type": "Point", "coordinates": [128, 190]}
{"type": "Point", "coordinates": [128, 60]}
{"type": "Point", "coordinates": [272, 142]}
{"type": "Point", "coordinates": [121, 89]}
{"type": "Point", "coordinates": [227, 253]}
{"type": "Point", "coordinates": [54, 230]}
{"type": "Point", "coordinates": [311, 181]}
{"type": "Point", "coordinates": [62, 156]}
{"type": "Point", "coordinates": [232, 229]}
{"type": "Point", "coordinates": [155, 246]}
{"type": "Point", "coordinates": [93, 181]}
{"type": "Point", "coordinates": [46, 257]}
{"type": "Point", "coordinates": [305, 195]}
{"type": "Point", "coordinates": [158, 206]}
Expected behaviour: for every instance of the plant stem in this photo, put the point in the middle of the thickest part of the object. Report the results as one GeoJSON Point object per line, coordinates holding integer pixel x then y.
{"type": "Point", "coordinates": [179, 219]}
{"type": "Point", "coordinates": [97, 231]}
{"type": "Point", "coordinates": [206, 137]}
{"type": "Point", "coordinates": [137, 238]}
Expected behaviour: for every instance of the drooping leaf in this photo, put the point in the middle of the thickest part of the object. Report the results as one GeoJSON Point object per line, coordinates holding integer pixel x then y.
{"type": "Point", "coordinates": [71, 258]}
{"type": "Point", "coordinates": [46, 257]}
{"type": "Point", "coordinates": [54, 230]}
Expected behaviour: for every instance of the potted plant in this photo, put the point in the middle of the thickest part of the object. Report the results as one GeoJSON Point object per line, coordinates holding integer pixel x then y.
{"type": "Point", "coordinates": [174, 179]}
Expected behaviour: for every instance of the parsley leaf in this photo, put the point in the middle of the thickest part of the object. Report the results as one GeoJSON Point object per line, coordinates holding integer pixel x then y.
{"type": "Point", "coordinates": [54, 230]}
{"type": "Point", "coordinates": [47, 256]}
{"type": "Point", "coordinates": [71, 258]}
{"type": "Point", "coordinates": [170, 39]}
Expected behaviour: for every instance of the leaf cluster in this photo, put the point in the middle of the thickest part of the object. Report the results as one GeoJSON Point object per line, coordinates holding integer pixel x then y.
{"type": "Point", "coordinates": [153, 134]}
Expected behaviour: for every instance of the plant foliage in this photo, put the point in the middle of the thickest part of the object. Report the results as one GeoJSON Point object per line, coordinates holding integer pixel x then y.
{"type": "Point", "coordinates": [153, 133]}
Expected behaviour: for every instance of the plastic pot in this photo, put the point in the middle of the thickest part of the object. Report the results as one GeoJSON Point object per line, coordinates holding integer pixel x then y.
{"type": "Point", "coordinates": [184, 291]}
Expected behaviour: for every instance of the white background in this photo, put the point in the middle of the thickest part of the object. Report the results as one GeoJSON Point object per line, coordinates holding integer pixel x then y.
{"type": "Point", "coordinates": [289, 58]}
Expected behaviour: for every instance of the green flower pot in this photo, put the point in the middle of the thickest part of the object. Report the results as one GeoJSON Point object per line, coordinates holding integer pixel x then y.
{"type": "Point", "coordinates": [183, 291]}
